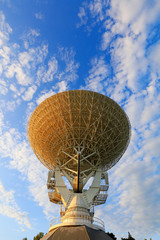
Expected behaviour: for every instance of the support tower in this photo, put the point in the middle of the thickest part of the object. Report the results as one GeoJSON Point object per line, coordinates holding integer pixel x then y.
{"type": "Point", "coordinates": [78, 135]}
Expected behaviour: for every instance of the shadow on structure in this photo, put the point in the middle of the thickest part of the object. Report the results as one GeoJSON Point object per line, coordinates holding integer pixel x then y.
{"type": "Point", "coordinates": [76, 233]}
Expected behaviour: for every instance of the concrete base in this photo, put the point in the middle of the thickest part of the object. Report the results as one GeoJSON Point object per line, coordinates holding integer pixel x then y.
{"type": "Point", "coordinates": [76, 233]}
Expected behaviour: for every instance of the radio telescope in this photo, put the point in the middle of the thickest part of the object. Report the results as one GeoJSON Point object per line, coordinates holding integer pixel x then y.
{"type": "Point", "coordinates": [78, 135]}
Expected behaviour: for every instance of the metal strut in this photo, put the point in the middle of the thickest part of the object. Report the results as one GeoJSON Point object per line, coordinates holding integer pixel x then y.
{"type": "Point", "coordinates": [78, 172]}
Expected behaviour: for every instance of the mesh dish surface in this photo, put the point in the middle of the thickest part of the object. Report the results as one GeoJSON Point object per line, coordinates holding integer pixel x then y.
{"type": "Point", "coordinates": [79, 118]}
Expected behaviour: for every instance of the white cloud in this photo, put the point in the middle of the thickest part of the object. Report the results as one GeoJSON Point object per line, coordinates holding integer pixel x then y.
{"type": "Point", "coordinates": [33, 56]}
{"type": "Point", "coordinates": [133, 202]}
{"type": "Point", "coordinates": [133, 111]}
{"type": "Point", "coordinates": [128, 24]}
{"type": "Point", "coordinates": [23, 159]}
{"type": "Point", "coordinates": [5, 29]}
{"type": "Point", "coordinates": [21, 76]}
{"type": "Point", "coordinates": [9, 208]}
{"type": "Point", "coordinates": [3, 87]}
{"type": "Point", "coordinates": [44, 95]}
{"type": "Point", "coordinates": [154, 58]}
{"type": "Point", "coordinates": [129, 61]}
{"type": "Point", "coordinates": [64, 75]}
{"type": "Point", "coordinates": [39, 16]}
{"type": "Point", "coordinates": [16, 70]}
{"type": "Point", "coordinates": [106, 40]}
{"type": "Point", "coordinates": [98, 75]}
{"type": "Point", "coordinates": [83, 16]}
{"type": "Point", "coordinates": [52, 69]}
{"type": "Point", "coordinates": [15, 90]}
{"type": "Point", "coordinates": [135, 185]}
{"type": "Point", "coordinates": [1, 121]}
{"type": "Point", "coordinates": [96, 8]}
{"type": "Point", "coordinates": [1, 69]}
{"type": "Point", "coordinates": [5, 56]}
{"type": "Point", "coordinates": [129, 51]}
{"type": "Point", "coordinates": [30, 37]}
{"type": "Point", "coordinates": [148, 15]}
{"type": "Point", "coordinates": [46, 75]}
{"type": "Point", "coordinates": [28, 95]}
{"type": "Point", "coordinates": [18, 67]}
{"type": "Point", "coordinates": [69, 73]}
{"type": "Point", "coordinates": [24, 68]}
{"type": "Point", "coordinates": [25, 58]}
{"type": "Point", "coordinates": [62, 86]}
{"type": "Point", "coordinates": [125, 11]}
{"type": "Point", "coordinates": [152, 146]}
{"type": "Point", "coordinates": [11, 105]}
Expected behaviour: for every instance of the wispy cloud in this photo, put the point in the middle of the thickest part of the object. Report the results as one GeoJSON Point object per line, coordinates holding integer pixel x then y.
{"type": "Point", "coordinates": [44, 94]}
{"type": "Point", "coordinates": [9, 208]}
{"type": "Point", "coordinates": [28, 95]}
{"type": "Point", "coordinates": [82, 16]}
{"type": "Point", "coordinates": [98, 75]}
{"type": "Point", "coordinates": [39, 16]}
{"type": "Point", "coordinates": [134, 193]}
{"type": "Point", "coordinates": [3, 87]}
{"type": "Point", "coordinates": [69, 74]}
{"type": "Point", "coordinates": [25, 67]}
{"type": "Point", "coordinates": [47, 74]}
{"type": "Point", "coordinates": [5, 29]}
{"type": "Point", "coordinates": [19, 152]}
{"type": "Point", "coordinates": [29, 37]}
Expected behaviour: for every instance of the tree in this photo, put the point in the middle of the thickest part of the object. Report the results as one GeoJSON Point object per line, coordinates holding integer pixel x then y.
{"type": "Point", "coordinates": [24, 238]}
{"type": "Point", "coordinates": [38, 236]}
{"type": "Point", "coordinates": [129, 237]}
{"type": "Point", "coordinates": [112, 236]}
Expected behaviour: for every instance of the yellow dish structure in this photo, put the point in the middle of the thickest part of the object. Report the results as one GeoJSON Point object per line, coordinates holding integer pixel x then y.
{"type": "Point", "coordinates": [79, 121]}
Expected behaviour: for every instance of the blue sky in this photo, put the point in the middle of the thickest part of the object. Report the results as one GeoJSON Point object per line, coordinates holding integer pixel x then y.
{"type": "Point", "coordinates": [111, 47]}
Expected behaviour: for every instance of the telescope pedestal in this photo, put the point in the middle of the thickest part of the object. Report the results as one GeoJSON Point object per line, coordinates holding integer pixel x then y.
{"type": "Point", "coordinates": [77, 212]}
{"type": "Point", "coordinates": [76, 233]}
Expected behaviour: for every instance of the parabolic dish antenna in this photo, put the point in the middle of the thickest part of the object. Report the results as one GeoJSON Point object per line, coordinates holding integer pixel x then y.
{"type": "Point", "coordinates": [83, 121]}
{"type": "Point", "coordinates": [78, 134]}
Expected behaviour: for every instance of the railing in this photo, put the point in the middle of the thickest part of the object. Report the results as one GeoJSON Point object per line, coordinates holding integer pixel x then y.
{"type": "Point", "coordinates": [55, 221]}
{"type": "Point", "coordinates": [96, 221]}
{"type": "Point", "coordinates": [99, 222]}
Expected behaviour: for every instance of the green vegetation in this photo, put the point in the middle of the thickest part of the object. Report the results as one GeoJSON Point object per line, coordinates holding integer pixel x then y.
{"type": "Point", "coordinates": [38, 236]}
{"type": "Point", "coordinates": [129, 237]}
{"type": "Point", "coordinates": [112, 236]}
